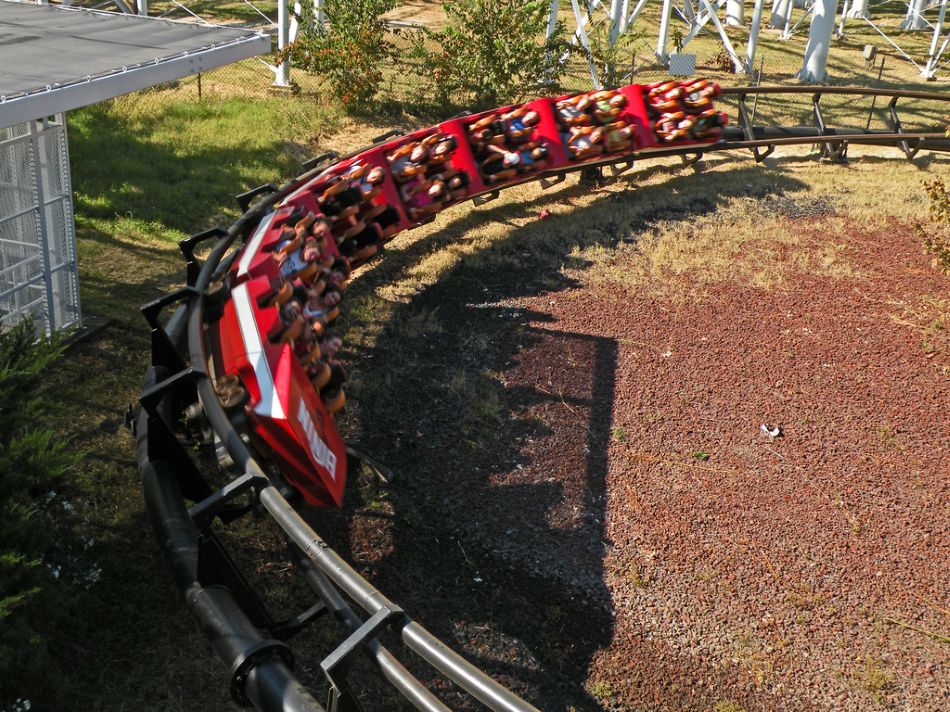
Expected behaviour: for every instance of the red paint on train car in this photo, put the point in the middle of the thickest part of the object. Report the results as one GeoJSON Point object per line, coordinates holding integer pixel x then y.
{"type": "Point", "coordinates": [285, 411]}
{"type": "Point", "coordinates": [549, 133]}
{"type": "Point", "coordinates": [636, 113]}
{"type": "Point", "coordinates": [287, 416]}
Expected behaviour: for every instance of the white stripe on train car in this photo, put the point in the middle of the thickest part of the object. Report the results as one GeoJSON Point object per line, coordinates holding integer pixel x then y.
{"type": "Point", "coordinates": [269, 403]}
{"type": "Point", "coordinates": [250, 250]}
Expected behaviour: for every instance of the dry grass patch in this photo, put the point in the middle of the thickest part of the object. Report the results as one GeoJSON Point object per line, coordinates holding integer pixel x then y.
{"type": "Point", "coordinates": [874, 679]}
{"type": "Point", "coordinates": [929, 316]}
{"type": "Point", "coordinates": [737, 244]}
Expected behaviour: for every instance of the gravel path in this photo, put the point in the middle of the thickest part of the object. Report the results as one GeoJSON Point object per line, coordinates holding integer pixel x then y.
{"type": "Point", "coordinates": [771, 573]}
{"type": "Point", "coordinates": [585, 489]}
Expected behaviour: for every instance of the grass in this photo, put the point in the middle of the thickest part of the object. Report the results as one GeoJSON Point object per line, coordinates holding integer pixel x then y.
{"type": "Point", "coordinates": [728, 706]}
{"type": "Point", "coordinates": [874, 679]}
{"type": "Point", "coordinates": [602, 690]}
{"type": "Point", "coordinates": [723, 240]}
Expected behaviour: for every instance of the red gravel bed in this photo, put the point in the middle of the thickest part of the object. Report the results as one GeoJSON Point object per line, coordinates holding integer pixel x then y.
{"type": "Point", "coordinates": [613, 531]}
{"type": "Point", "coordinates": [768, 573]}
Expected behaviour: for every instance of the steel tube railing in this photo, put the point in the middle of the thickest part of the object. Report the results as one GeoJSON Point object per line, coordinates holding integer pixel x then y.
{"type": "Point", "coordinates": [370, 599]}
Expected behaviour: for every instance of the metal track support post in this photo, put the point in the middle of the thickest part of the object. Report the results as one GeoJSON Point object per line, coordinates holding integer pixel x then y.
{"type": "Point", "coordinates": [581, 34]}
{"type": "Point", "coordinates": [552, 20]}
{"type": "Point", "coordinates": [781, 12]}
{"type": "Point", "coordinates": [282, 70]}
{"type": "Point", "coordinates": [844, 16]}
{"type": "Point", "coordinates": [858, 10]}
{"type": "Point", "coordinates": [933, 56]}
{"type": "Point", "coordinates": [814, 68]}
{"type": "Point", "coordinates": [664, 32]}
{"type": "Point", "coordinates": [735, 13]}
{"type": "Point", "coordinates": [754, 29]}
{"type": "Point", "coordinates": [914, 20]}
{"type": "Point", "coordinates": [141, 7]}
{"type": "Point", "coordinates": [616, 15]}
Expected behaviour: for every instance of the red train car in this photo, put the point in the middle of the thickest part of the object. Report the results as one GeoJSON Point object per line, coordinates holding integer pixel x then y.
{"type": "Point", "coordinates": [274, 339]}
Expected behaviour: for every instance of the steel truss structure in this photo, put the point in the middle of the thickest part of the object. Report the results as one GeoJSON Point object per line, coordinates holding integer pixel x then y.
{"type": "Point", "coordinates": [684, 18]}
{"type": "Point", "coordinates": [690, 17]}
{"type": "Point", "coordinates": [38, 274]}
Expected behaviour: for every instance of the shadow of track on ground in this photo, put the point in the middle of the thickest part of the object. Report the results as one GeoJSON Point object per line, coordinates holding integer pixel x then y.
{"type": "Point", "coordinates": [496, 539]}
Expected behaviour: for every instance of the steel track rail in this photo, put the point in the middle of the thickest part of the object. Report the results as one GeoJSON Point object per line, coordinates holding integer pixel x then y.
{"type": "Point", "coordinates": [842, 90]}
{"type": "Point", "coordinates": [261, 666]}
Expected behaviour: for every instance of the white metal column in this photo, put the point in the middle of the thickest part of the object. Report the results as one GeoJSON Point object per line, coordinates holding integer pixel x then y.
{"type": "Point", "coordinates": [664, 32]}
{"type": "Point", "coordinates": [859, 9]}
{"type": "Point", "coordinates": [781, 12]}
{"type": "Point", "coordinates": [754, 34]}
{"type": "Point", "coordinates": [735, 13]}
{"type": "Point", "coordinates": [819, 41]}
{"type": "Point", "coordinates": [282, 70]}
{"type": "Point", "coordinates": [914, 20]}
{"type": "Point", "coordinates": [933, 56]}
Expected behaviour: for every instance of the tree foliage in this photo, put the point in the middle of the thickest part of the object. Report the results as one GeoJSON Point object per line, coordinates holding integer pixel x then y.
{"type": "Point", "coordinates": [491, 52]}
{"type": "Point", "coordinates": [32, 463]}
{"type": "Point", "coordinates": [349, 48]}
{"type": "Point", "coordinates": [936, 234]}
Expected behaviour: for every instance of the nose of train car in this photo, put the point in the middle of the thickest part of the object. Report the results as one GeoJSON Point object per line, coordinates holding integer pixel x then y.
{"type": "Point", "coordinates": [286, 413]}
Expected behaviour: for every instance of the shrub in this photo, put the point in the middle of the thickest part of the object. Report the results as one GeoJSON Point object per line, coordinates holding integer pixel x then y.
{"type": "Point", "coordinates": [32, 463]}
{"type": "Point", "coordinates": [491, 52]}
{"type": "Point", "coordinates": [349, 48]}
{"type": "Point", "coordinates": [614, 62]}
{"type": "Point", "coordinates": [936, 234]}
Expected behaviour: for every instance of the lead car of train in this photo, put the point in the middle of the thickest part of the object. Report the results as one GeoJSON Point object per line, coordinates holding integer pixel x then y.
{"type": "Point", "coordinates": [273, 351]}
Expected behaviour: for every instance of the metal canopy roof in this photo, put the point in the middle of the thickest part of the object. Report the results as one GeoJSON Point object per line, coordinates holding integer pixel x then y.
{"type": "Point", "coordinates": [55, 58]}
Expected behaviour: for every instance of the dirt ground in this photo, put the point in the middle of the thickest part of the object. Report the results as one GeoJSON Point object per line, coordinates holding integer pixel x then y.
{"type": "Point", "coordinates": [775, 573]}
{"type": "Point", "coordinates": [585, 484]}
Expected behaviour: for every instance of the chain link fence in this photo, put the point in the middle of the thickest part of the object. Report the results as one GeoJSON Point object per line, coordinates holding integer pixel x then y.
{"type": "Point", "coordinates": [778, 60]}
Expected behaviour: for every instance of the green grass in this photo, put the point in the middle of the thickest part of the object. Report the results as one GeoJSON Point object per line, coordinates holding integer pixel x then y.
{"type": "Point", "coordinates": [148, 171]}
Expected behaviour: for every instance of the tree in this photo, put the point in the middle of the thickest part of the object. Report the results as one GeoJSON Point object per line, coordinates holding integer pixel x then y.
{"type": "Point", "coordinates": [491, 52]}
{"type": "Point", "coordinates": [348, 48]}
{"type": "Point", "coordinates": [32, 463]}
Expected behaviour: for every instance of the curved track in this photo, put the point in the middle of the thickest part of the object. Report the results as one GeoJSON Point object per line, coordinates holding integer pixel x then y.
{"type": "Point", "coordinates": [179, 385]}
